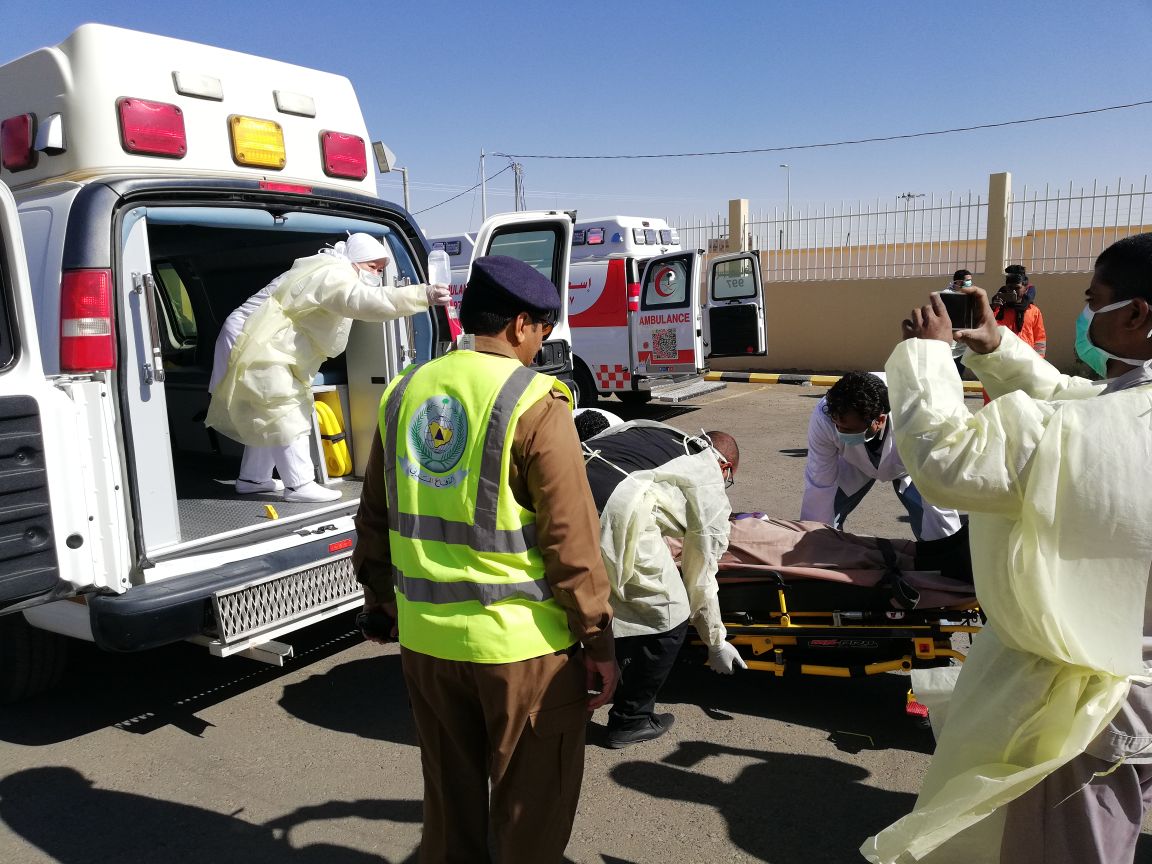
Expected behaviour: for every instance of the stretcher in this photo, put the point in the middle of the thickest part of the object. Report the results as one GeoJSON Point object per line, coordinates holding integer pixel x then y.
{"type": "Point", "coordinates": [841, 605]}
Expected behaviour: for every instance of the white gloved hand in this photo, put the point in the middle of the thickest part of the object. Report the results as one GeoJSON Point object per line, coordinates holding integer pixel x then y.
{"type": "Point", "coordinates": [724, 658]}
{"type": "Point", "coordinates": [439, 295]}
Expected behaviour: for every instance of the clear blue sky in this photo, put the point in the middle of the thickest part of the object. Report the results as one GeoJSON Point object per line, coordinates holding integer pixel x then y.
{"type": "Point", "coordinates": [439, 81]}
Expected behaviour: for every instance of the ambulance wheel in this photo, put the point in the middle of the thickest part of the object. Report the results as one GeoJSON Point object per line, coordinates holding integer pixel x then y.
{"type": "Point", "coordinates": [31, 660]}
{"type": "Point", "coordinates": [585, 394]}
{"type": "Point", "coordinates": [634, 397]}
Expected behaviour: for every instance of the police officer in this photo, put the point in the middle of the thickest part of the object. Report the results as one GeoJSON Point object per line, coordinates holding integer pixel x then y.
{"type": "Point", "coordinates": [477, 532]}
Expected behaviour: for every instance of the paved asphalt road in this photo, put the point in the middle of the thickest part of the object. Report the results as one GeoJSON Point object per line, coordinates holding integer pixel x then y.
{"type": "Point", "coordinates": [175, 756]}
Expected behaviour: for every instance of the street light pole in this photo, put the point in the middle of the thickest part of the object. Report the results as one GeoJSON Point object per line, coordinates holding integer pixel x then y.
{"type": "Point", "coordinates": [787, 203]}
{"type": "Point", "coordinates": [386, 162]}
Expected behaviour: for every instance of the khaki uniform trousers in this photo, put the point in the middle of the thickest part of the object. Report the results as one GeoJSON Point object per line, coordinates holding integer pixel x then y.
{"type": "Point", "coordinates": [502, 748]}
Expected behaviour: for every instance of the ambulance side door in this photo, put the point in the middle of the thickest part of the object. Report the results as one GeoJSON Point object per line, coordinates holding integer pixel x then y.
{"type": "Point", "coordinates": [53, 538]}
{"type": "Point", "coordinates": [542, 238]}
{"type": "Point", "coordinates": [665, 331]}
{"type": "Point", "coordinates": [734, 324]}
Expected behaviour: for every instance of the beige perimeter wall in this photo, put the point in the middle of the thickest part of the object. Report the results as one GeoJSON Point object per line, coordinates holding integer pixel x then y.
{"type": "Point", "coordinates": [846, 325]}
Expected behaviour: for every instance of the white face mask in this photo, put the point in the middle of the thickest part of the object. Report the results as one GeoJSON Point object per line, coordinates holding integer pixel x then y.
{"type": "Point", "coordinates": [370, 278]}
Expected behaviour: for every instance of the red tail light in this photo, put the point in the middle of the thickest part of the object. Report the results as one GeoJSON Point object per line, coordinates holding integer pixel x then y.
{"type": "Point", "coordinates": [87, 342]}
{"type": "Point", "coordinates": [633, 296]}
{"type": "Point", "coordinates": [152, 128]}
{"type": "Point", "coordinates": [344, 155]}
{"type": "Point", "coordinates": [16, 150]}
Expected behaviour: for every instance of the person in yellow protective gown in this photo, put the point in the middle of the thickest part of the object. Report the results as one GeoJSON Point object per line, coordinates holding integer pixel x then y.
{"type": "Point", "coordinates": [271, 348]}
{"type": "Point", "coordinates": [1046, 752]}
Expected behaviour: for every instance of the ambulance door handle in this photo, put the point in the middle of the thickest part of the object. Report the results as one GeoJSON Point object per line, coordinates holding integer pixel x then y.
{"type": "Point", "coordinates": [145, 284]}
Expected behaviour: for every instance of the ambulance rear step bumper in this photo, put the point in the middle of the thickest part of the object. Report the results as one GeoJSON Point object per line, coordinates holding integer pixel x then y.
{"type": "Point", "coordinates": [681, 392]}
{"type": "Point", "coordinates": [232, 609]}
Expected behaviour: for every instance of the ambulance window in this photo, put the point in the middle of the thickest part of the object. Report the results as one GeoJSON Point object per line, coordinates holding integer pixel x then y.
{"type": "Point", "coordinates": [666, 284]}
{"type": "Point", "coordinates": [535, 246]}
{"type": "Point", "coordinates": [177, 306]}
{"type": "Point", "coordinates": [733, 280]}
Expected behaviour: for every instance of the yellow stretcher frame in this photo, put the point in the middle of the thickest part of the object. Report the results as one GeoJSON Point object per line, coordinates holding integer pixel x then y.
{"type": "Point", "coordinates": [930, 643]}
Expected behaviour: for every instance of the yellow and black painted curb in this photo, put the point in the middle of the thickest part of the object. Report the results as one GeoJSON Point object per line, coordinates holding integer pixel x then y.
{"type": "Point", "coordinates": [799, 380]}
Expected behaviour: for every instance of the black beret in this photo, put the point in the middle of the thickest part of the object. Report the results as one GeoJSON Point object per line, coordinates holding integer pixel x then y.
{"type": "Point", "coordinates": [502, 284]}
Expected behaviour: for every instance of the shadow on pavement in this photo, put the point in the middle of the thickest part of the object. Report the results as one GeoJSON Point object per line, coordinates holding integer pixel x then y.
{"type": "Point", "coordinates": [365, 697]}
{"type": "Point", "coordinates": [843, 707]}
{"type": "Point", "coordinates": [166, 686]}
{"type": "Point", "coordinates": [784, 808]}
{"type": "Point", "coordinates": [104, 825]}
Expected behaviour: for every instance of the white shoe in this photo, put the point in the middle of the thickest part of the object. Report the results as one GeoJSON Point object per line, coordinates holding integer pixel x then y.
{"type": "Point", "coordinates": [311, 493]}
{"type": "Point", "coordinates": [247, 487]}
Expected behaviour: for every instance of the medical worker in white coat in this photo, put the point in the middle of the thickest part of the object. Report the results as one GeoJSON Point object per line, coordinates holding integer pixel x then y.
{"type": "Point", "coordinates": [271, 348]}
{"type": "Point", "coordinates": [850, 447]}
{"type": "Point", "coordinates": [1046, 751]}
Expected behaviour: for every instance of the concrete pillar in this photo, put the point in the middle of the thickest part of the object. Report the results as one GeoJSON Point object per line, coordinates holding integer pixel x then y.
{"type": "Point", "coordinates": [738, 225]}
{"type": "Point", "coordinates": [996, 251]}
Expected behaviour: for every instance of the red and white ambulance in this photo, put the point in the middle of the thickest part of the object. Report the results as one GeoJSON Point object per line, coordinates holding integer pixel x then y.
{"type": "Point", "coordinates": [644, 315]}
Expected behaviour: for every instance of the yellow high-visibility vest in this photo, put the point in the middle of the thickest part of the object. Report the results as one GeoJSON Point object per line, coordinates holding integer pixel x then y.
{"type": "Point", "coordinates": [469, 576]}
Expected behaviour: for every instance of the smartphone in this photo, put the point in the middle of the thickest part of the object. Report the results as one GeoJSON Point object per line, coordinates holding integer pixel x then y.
{"type": "Point", "coordinates": [961, 309]}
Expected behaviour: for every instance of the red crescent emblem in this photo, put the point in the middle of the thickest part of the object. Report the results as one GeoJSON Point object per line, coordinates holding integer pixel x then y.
{"type": "Point", "coordinates": [660, 274]}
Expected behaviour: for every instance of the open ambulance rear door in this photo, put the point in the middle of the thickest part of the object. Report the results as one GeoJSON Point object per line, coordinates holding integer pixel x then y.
{"type": "Point", "coordinates": [734, 324]}
{"type": "Point", "coordinates": [61, 502]}
{"type": "Point", "coordinates": [542, 238]}
{"type": "Point", "coordinates": [667, 328]}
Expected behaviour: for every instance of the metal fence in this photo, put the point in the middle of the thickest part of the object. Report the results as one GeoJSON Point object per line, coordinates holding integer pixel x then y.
{"type": "Point", "coordinates": [1063, 229]}
{"type": "Point", "coordinates": [1059, 229]}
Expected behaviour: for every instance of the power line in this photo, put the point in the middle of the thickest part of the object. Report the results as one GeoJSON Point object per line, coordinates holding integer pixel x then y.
{"type": "Point", "coordinates": [465, 192]}
{"type": "Point", "coordinates": [842, 143]}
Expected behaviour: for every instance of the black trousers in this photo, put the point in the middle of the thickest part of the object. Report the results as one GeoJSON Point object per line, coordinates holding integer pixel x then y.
{"type": "Point", "coordinates": [645, 663]}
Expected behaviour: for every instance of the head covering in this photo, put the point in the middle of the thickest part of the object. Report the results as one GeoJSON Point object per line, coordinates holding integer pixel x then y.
{"type": "Point", "coordinates": [499, 283]}
{"type": "Point", "coordinates": [364, 247]}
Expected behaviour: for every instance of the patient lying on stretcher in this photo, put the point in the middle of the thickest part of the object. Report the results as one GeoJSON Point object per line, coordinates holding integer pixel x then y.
{"type": "Point", "coordinates": [871, 572]}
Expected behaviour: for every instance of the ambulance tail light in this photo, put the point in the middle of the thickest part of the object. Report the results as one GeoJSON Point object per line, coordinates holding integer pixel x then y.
{"type": "Point", "coordinates": [87, 342]}
{"type": "Point", "coordinates": [152, 128]}
{"type": "Point", "coordinates": [17, 151]}
{"type": "Point", "coordinates": [633, 296]}
{"type": "Point", "coordinates": [343, 155]}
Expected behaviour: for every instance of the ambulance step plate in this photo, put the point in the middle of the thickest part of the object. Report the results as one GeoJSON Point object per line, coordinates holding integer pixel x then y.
{"type": "Point", "coordinates": [252, 609]}
{"type": "Point", "coordinates": [684, 392]}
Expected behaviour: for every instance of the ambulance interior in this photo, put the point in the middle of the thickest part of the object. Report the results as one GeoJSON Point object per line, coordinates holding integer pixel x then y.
{"type": "Point", "coordinates": [205, 267]}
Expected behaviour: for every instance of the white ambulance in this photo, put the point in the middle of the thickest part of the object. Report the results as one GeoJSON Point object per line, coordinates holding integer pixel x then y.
{"type": "Point", "coordinates": [155, 185]}
{"type": "Point", "coordinates": [644, 315]}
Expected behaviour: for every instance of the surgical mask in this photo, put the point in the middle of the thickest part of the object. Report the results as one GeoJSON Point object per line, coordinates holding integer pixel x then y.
{"type": "Point", "coordinates": [853, 438]}
{"type": "Point", "coordinates": [1091, 353]}
{"type": "Point", "coordinates": [371, 278]}
{"type": "Point", "coordinates": [967, 283]}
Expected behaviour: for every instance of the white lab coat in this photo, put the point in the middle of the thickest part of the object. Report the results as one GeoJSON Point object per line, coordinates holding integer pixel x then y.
{"type": "Point", "coordinates": [684, 498]}
{"type": "Point", "coordinates": [1057, 486]}
{"type": "Point", "coordinates": [833, 465]}
{"type": "Point", "coordinates": [265, 396]}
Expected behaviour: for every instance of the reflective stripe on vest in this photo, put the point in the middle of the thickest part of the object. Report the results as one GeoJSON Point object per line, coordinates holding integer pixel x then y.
{"type": "Point", "coordinates": [482, 535]}
{"type": "Point", "coordinates": [427, 591]}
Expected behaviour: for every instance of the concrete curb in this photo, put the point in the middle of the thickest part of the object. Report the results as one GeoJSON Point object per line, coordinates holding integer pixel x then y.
{"type": "Point", "coordinates": [799, 380]}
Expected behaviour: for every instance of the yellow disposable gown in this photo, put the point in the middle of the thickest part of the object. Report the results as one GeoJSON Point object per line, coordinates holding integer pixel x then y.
{"type": "Point", "coordinates": [265, 396]}
{"type": "Point", "coordinates": [686, 499]}
{"type": "Point", "coordinates": [1057, 487]}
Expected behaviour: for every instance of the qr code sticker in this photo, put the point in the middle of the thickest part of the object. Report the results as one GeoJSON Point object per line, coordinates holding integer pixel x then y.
{"type": "Point", "coordinates": [664, 344]}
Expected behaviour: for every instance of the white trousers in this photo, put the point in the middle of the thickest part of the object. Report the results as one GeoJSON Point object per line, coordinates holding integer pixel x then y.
{"type": "Point", "coordinates": [293, 461]}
